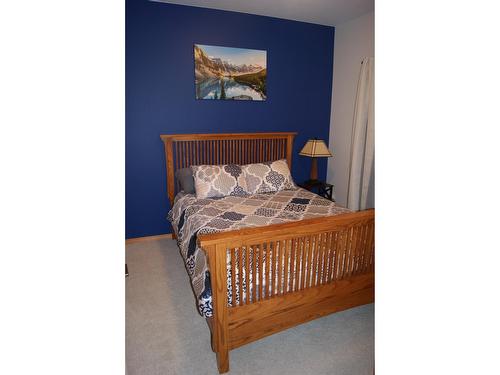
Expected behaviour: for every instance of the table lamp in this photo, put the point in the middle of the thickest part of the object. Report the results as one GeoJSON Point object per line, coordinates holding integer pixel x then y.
{"type": "Point", "coordinates": [315, 148]}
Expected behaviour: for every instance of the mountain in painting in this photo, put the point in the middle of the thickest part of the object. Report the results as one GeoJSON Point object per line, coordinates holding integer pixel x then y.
{"type": "Point", "coordinates": [213, 67]}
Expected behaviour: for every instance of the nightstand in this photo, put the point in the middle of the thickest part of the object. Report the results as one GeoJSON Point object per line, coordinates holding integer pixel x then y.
{"type": "Point", "coordinates": [319, 187]}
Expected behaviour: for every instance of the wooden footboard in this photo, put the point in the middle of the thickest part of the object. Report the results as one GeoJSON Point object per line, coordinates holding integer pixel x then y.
{"type": "Point", "coordinates": [292, 272]}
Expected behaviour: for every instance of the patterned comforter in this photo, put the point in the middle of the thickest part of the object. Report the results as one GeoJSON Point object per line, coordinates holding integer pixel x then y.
{"type": "Point", "coordinates": [190, 216]}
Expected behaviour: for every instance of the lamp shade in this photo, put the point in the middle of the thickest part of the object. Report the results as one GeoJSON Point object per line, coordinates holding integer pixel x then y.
{"type": "Point", "coordinates": [315, 148]}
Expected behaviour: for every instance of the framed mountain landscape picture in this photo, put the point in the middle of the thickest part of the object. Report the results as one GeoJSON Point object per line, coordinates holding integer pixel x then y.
{"type": "Point", "coordinates": [226, 73]}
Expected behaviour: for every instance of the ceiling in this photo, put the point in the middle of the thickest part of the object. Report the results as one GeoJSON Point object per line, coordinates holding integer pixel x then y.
{"type": "Point", "coordinates": [323, 12]}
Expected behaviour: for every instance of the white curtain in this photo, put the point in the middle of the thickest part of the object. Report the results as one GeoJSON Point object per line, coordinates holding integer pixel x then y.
{"type": "Point", "coordinates": [360, 194]}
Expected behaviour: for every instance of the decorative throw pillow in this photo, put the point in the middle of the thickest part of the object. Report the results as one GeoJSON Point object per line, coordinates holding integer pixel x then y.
{"type": "Point", "coordinates": [185, 178]}
{"type": "Point", "coordinates": [268, 177]}
{"type": "Point", "coordinates": [212, 181]}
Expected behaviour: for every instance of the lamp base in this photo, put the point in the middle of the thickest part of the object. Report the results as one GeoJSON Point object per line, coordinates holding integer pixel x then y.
{"type": "Point", "coordinates": [314, 170]}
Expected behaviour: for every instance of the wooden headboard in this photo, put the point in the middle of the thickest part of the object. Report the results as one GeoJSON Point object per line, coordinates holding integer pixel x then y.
{"type": "Point", "coordinates": [184, 150]}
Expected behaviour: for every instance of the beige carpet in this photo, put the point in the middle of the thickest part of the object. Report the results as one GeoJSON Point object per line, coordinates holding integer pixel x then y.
{"type": "Point", "coordinates": [166, 335]}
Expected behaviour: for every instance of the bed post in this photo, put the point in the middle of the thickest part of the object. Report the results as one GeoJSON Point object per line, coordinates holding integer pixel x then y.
{"type": "Point", "coordinates": [169, 158]}
{"type": "Point", "coordinates": [289, 149]}
{"type": "Point", "coordinates": [220, 335]}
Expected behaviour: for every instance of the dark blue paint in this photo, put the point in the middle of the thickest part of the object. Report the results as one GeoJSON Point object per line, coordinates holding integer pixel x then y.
{"type": "Point", "coordinates": [160, 92]}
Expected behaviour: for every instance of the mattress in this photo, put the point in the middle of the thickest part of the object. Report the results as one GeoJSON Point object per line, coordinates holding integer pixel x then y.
{"type": "Point", "coordinates": [190, 217]}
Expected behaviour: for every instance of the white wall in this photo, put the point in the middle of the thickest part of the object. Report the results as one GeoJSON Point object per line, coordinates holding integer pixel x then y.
{"type": "Point", "coordinates": [353, 41]}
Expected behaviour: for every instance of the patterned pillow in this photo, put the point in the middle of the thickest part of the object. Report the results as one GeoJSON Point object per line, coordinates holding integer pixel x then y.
{"type": "Point", "coordinates": [268, 177]}
{"type": "Point", "coordinates": [211, 181]}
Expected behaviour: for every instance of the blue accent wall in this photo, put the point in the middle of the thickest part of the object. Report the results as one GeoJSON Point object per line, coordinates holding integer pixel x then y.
{"type": "Point", "coordinates": [160, 92]}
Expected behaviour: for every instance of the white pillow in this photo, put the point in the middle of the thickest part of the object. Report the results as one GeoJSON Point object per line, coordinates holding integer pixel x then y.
{"type": "Point", "coordinates": [212, 181]}
{"type": "Point", "coordinates": [268, 177]}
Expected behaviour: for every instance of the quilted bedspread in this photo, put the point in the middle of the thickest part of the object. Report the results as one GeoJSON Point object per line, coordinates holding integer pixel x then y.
{"type": "Point", "coordinates": [190, 216]}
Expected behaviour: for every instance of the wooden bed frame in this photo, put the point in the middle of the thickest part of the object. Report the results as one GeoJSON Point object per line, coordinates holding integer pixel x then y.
{"type": "Point", "coordinates": [329, 262]}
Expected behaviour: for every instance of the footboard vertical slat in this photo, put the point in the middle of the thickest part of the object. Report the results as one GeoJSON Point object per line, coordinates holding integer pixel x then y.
{"type": "Point", "coordinates": [265, 281]}
{"type": "Point", "coordinates": [303, 260]}
{"type": "Point", "coordinates": [286, 273]}
{"type": "Point", "coordinates": [354, 251]}
{"type": "Point", "coordinates": [293, 244]}
{"type": "Point", "coordinates": [324, 258]}
{"type": "Point", "coordinates": [331, 254]}
{"type": "Point", "coordinates": [345, 255]}
{"type": "Point", "coordinates": [359, 249]}
{"type": "Point", "coordinates": [361, 267]}
{"type": "Point", "coordinates": [298, 263]}
{"type": "Point", "coordinates": [342, 251]}
{"type": "Point", "coordinates": [366, 250]}
{"type": "Point", "coordinates": [349, 253]}
{"type": "Point", "coordinates": [314, 264]}
{"type": "Point", "coordinates": [309, 264]}
{"type": "Point", "coordinates": [240, 275]}
{"type": "Point", "coordinates": [352, 241]}
{"type": "Point", "coordinates": [272, 268]}
{"type": "Point", "coordinates": [280, 266]}
{"type": "Point", "coordinates": [321, 250]}
{"type": "Point", "coordinates": [314, 260]}
{"type": "Point", "coordinates": [372, 250]}
{"type": "Point", "coordinates": [247, 274]}
{"type": "Point", "coordinates": [261, 271]}
{"type": "Point", "coordinates": [369, 244]}
{"type": "Point", "coordinates": [361, 246]}
{"type": "Point", "coordinates": [254, 276]}
{"type": "Point", "coordinates": [319, 262]}
{"type": "Point", "coordinates": [320, 258]}
{"type": "Point", "coordinates": [335, 256]}
{"type": "Point", "coordinates": [326, 262]}
{"type": "Point", "coordinates": [345, 252]}
{"type": "Point", "coordinates": [233, 277]}
{"type": "Point", "coordinates": [326, 252]}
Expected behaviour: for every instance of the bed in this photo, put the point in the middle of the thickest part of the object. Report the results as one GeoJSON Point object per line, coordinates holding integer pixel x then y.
{"type": "Point", "coordinates": [263, 263]}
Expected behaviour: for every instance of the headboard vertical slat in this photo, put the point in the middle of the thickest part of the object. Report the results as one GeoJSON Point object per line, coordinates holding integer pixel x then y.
{"type": "Point", "coordinates": [183, 153]}
{"type": "Point", "coordinates": [238, 151]}
{"type": "Point", "coordinates": [200, 148]}
{"type": "Point", "coordinates": [184, 150]}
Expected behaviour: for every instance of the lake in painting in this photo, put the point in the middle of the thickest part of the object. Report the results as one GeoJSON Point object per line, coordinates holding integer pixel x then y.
{"type": "Point", "coordinates": [224, 73]}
